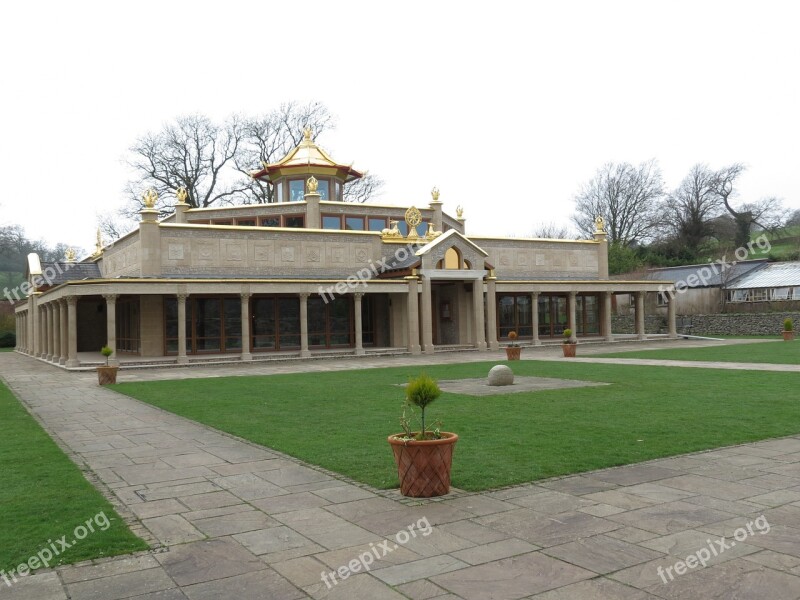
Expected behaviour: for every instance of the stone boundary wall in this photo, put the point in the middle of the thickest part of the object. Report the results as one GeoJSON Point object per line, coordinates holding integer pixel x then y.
{"type": "Point", "coordinates": [716, 324]}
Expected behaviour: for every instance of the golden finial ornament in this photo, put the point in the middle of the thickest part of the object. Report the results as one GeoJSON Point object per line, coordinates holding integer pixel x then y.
{"type": "Point", "coordinates": [70, 255]}
{"type": "Point", "coordinates": [182, 194]}
{"type": "Point", "coordinates": [599, 225]}
{"type": "Point", "coordinates": [149, 198]}
{"type": "Point", "coordinates": [307, 133]}
{"type": "Point", "coordinates": [311, 185]}
{"type": "Point", "coordinates": [459, 212]}
{"type": "Point", "coordinates": [435, 194]}
{"type": "Point", "coordinates": [98, 246]}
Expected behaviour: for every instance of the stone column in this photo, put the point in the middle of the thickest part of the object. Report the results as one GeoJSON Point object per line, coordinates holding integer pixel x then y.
{"type": "Point", "coordinates": [413, 314]}
{"type": "Point", "coordinates": [182, 358]}
{"type": "Point", "coordinates": [304, 351]}
{"type": "Point", "coordinates": [33, 326]}
{"type": "Point", "coordinates": [42, 331]}
{"type": "Point", "coordinates": [477, 314]}
{"type": "Point", "coordinates": [57, 332]}
{"type": "Point", "coordinates": [246, 354]}
{"type": "Point", "coordinates": [62, 305]}
{"type": "Point", "coordinates": [359, 326]}
{"type": "Point", "coordinates": [111, 327]}
{"type": "Point", "coordinates": [640, 316]}
{"type": "Point", "coordinates": [427, 317]}
{"type": "Point", "coordinates": [491, 313]}
{"type": "Point", "coordinates": [51, 331]}
{"type": "Point", "coordinates": [672, 311]}
{"type": "Point", "coordinates": [72, 332]}
{"type": "Point", "coordinates": [535, 318]}
{"type": "Point", "coordinates": [571, 305]}
{"type": "Point", "coordinates": [607, 302]}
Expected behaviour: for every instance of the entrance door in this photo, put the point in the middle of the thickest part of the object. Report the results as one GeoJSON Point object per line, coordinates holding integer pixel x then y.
{"type": "Point", "coordinates": [553, 317]}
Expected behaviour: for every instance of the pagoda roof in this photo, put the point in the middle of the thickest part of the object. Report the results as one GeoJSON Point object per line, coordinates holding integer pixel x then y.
{"type": "Point", "coordinates": [305, 157]}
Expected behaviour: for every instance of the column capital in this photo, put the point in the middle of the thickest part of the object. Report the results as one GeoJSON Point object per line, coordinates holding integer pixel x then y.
{"type": "Point", "coordinates": [305, 295]}
{"type": "Point", "coordinates": [358, 295]}
{"type": "Point", "coordinates": [182, 296]}
{"type": "Point", "coordinates": [245, 295]}
{"type": "Point", "coordinates": [72, 300]}
{"type": "Point", "coordinates": [111, 298]}
{"type": "Point", "coordinates": [573, 294]}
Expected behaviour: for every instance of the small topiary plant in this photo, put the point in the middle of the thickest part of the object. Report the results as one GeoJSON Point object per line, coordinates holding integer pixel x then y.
{"type": "Point", "coordinates": [788, 325]}
{"type": "Point", "coordinates": [512, 335]}
{"type": "Point", "coordinates": [107, 352]}
{"type": "Point", "coordinates": [568, 336]}
{"type": "Point", "coordinates": [420, 392]}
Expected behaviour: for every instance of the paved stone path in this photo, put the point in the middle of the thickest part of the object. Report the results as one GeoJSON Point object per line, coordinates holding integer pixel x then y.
{"type": "Point", "coordinates": [234, 520]}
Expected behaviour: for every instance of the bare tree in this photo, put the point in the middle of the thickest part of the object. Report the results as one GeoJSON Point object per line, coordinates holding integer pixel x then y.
{"type": "Point", "coordinates": [628, 197]}
{"type": "Point", "coordinates": [193, 152]}
{"type": "Point", "coordinates": [364, 189]}
{"type": "Point", "coordinates": [552, 231]}
{"type": "Point", "coordinates": [691, 207]}
{"type": "Point", "coordinates": [767, 213]}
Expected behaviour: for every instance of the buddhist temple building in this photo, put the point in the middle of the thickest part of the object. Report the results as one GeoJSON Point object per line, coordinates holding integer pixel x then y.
{"type": "Point", "coordinates": [310, 274]}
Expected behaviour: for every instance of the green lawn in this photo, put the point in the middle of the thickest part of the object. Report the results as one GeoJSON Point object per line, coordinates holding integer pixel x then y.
{"type": "Point", "coordinates": [780, 352]}
{"type": "Point", "coordinates": [340, 420]}
{"type": "Point", "coordinates": [6, 349]}
{"type": "Point", "coordinates": [44, 496]}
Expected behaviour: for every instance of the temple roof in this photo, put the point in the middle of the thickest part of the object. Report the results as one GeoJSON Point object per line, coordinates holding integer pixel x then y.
{"type": "Point", "coordinates": [304, 158]}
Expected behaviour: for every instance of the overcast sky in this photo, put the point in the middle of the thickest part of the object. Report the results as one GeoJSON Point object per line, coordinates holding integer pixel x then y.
{"type": "Point", "coordinates": [507, 107]}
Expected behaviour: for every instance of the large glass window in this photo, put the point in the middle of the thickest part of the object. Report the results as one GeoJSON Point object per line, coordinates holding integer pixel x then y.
{"type": "Point", "coordinates": [270, 221]}
{"type": "Point", "coordinates": [276, 323]}
{"type": "Point", "coordinates": [354, 223]}
{"type": "Point", "coordinates": [514, 314]}
{"type": "Point", "coordinates": [264, 323]}
{"type": "Point", "coordinates": [329, 324]}
{"type": "Point", "coordinates": [331, 222]}
{"type": "Point", "coordinates": [213, 324]}
{"type": "Point", "coordinates": [323, 189]}
{"type": "Point", "coordinates": [298, 221]}
{"type": "Point", "coordinates": [297, 190]}
{"type": "Point", "coordinates": [128, 332]}
{"type": "Point", "coordinates": [376, 224]}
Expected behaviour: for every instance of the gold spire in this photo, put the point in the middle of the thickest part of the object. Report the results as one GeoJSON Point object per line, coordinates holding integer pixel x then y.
{"type": "Point", "coordinates": [69, 255]}
{"type": "Point", "coordinates": [435, 194]}
{"type": "Point", "coordinates": [599, 225]}
{"type": "Point", "coordinates": [181, 195]}
{"type": "Point", "coordinates": [307, 133]}
{"type": "Point", "coordinates": [459, 212]}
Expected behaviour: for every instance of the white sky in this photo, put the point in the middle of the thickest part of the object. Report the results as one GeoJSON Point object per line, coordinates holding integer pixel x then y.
{"type": "Point", "coordinates": [506, 107]}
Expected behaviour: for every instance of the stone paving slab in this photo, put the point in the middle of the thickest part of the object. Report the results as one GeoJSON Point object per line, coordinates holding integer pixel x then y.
{"type": "Point", "coordinates": [229, 519]}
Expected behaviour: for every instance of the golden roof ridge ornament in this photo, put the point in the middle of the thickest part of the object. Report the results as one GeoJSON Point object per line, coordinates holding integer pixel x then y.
{"type": "Point", "coordinates": [413, 218]}
{"type": "Point", "coordinates": [599, 225]}
{"type": "Point", "coordinates": [435, 194]}
{"type": "Point", "coordinates": [307, 133]}
{"type": "Point", "coordinates": [70, 255]}
{"type": "Point", "coordinates": [311, 185]}
{"type": "Point", "coordinates": [182, 194]}
{"type": "Point", "coordinates": [459, 212]}
{"type": "Point", "coordinates": [98, 246]}
{"type": "Point", "coordinates": [149, 198]}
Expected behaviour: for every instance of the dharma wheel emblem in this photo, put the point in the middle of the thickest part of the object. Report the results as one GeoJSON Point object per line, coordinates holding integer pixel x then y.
{"type": "Point", "coordinates": [413, 217]}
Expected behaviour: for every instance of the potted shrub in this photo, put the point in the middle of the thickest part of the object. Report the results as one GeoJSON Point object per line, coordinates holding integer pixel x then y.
{"type": "Point", "coordinates": [513, 349]}
{"type": "Point", "coordinates": [106, 374]}
{"type": "Point", "coordinates": [788, 330]}
{"type": "Point", "coordinates": [423, 457]}
{"type": "Point", "coordinates": [569, 346]}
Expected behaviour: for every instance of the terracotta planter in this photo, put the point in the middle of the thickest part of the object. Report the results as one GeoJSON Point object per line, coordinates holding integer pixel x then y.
{"type": "Point", "coordinates": [423, 466]}
{"type": "Point", "coordinates": [513, 352]}
{"type": "Point", "coordinates": [107, 375]}
{"type": "Point", "coordinates": [569, 350]}
{"type": "Point", "coordinates": [788, 336]}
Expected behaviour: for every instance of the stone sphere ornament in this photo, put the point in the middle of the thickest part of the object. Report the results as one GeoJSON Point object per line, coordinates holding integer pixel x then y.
{"type": "Point", "coordinates": [501, 375]}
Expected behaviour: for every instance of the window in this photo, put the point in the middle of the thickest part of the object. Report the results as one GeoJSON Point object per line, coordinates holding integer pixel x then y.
{"type": "Point", "coordinates": [276, 323]}
{"type": "Point", "coordinates": [376, 224]}
{"type": "Point", "coordinates": [128, 336]}
{"type": "Point", "coordinates": [452, 259]}
{"type": "Point", "coordinates": [354, 223]}
{"type": "Point", "coordinates": [514, 314]}
{"type": "Point", "coordinates": [758, 295]}
{"type": "Point", "coordinates": [297, 190]}
{"type": "Point", "coordinates": [323, 189]}
{"type": "Point", "coordinates": [246, 222]}
{"type": "Point", "coordinates": [294, 221]}
{"type": "Point", "coordinates": [331, 222]}
{"type": "Point", "coordinates": [270, 221]}
{"type": "Point", "coordinates": [223, 221]}
{"type": "Point", "coordinates": [781, 293]}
